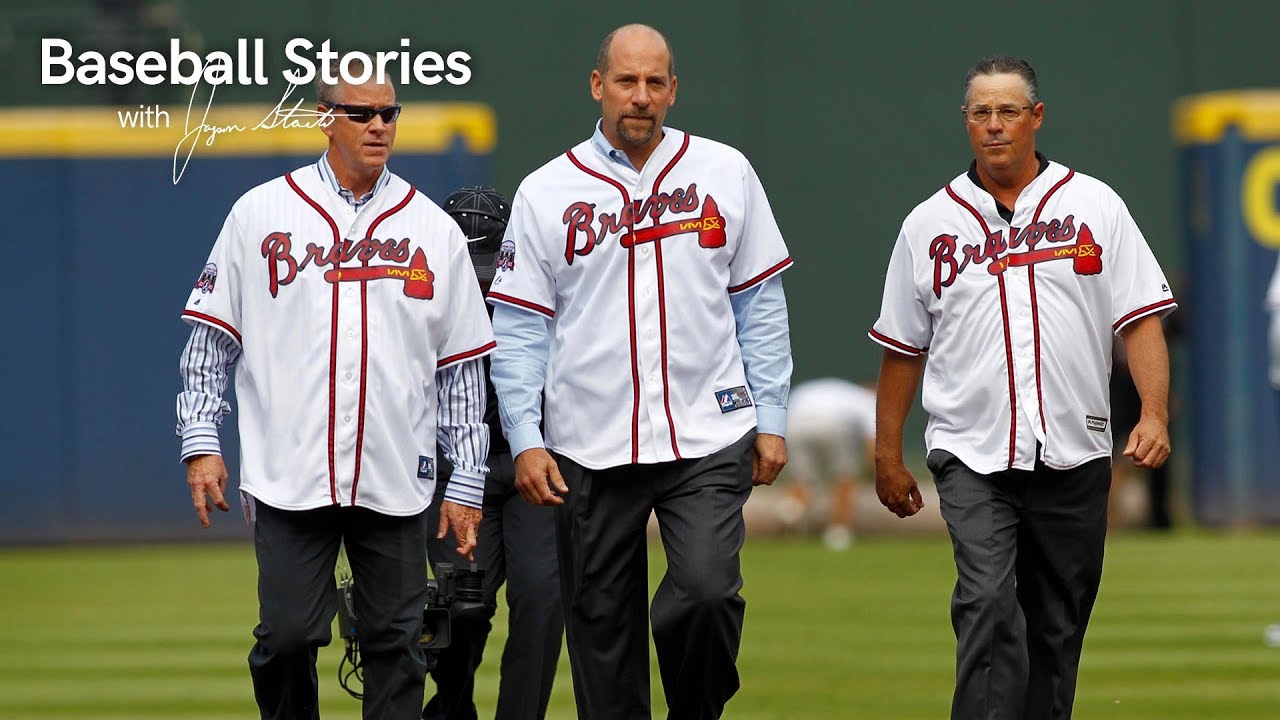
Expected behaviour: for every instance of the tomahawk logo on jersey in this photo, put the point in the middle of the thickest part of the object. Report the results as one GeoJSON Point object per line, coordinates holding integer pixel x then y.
{"type": "Point", "coordinates": [322, 294]}
{"type": "Point", "coordinates": [646, 262]}
{"type": "Point", "coordinates": [1040, 296]}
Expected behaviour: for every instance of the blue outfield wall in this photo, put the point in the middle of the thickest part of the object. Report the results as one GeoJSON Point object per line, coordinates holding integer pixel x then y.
{"type": "Point", "coordinates": [103, 255]}
{"type": "Point", "coordinates": [1231, 215]}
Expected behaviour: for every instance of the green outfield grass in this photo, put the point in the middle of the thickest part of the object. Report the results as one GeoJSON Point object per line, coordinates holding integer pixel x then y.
{"type": "Point", "coordinates": [162, 632]}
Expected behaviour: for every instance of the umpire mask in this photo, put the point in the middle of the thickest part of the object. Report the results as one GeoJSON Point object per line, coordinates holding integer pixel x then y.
{"type": "Point", "coordinates": [482, 213]}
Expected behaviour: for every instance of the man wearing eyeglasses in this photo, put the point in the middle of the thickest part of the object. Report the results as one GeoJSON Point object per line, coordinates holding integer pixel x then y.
{"type": "Point", "coordinates": [1013, 281]}
{"type": "Point", "coordinates": [346, 301]}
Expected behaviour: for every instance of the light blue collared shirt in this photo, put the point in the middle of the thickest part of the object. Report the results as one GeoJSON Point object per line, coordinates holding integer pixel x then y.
{"type": "Point", "coordinates": [326, 174]}
{"type": "Point", "coordinates": [760, 314]}
{"type": "Point", "coordinates": [602, 146]}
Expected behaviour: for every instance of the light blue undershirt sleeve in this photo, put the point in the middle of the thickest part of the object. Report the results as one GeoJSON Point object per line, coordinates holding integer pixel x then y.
{"type": "Point", "coordinates": [765, 338]}
{"type": "Point", "coordinates": [518, 368]}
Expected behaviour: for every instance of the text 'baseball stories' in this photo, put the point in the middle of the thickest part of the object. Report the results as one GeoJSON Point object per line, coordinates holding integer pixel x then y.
{"type": "Point", "coordinates": [60, 64]}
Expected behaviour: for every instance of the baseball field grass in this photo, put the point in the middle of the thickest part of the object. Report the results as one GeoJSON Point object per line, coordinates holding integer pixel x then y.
{"type": "Point", "coordinates": [162, 632]}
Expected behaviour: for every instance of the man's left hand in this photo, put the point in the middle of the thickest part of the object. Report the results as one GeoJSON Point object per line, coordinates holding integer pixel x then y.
{"type": "Point", "coordinates": [464, 521]}
{"type": "Point", "coordinates": [1148, 443]}
{"type": "Point", "coordinates": [767, 458]}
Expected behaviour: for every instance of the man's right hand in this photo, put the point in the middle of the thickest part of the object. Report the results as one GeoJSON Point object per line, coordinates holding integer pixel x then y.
{"type": "Point", "coordinates": [207, 476]}
{"type": "Point", "coordinates": [538, 478]}
{"type": "Point", "coordinates": [897, 488]}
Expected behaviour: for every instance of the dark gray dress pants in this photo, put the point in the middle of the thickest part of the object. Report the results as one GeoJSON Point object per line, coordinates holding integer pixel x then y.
{"type": "Point", "coordinates": [1028, 552]}
{"type": "Point", "coordinates": [297, 598]}
{"type": "Point", "coordinates": [697, 610]}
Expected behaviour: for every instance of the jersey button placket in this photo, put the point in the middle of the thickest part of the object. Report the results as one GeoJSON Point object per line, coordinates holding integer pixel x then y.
{"type": "Point", "coordinates": [1022, 337]}
{"type": "Point", "coordinates": [649, 352]}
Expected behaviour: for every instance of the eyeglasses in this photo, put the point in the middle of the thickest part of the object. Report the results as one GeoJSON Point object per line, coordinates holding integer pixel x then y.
{"type": "Point", "coordinates": [1006, 113]}
{"type": "Point", "coordinates": [363, 113]}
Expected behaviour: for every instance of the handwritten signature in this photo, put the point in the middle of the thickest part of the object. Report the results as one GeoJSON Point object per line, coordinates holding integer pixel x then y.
{"type": "Point", "coordinates": [278, 117]}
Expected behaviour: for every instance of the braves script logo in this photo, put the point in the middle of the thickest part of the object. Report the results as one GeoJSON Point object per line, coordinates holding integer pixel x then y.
{"type": "Point", "coordinates": [581, 218]}
{"type": "Point", "coordinates": [1085, 253]}
{"type": "Point", "coordinates": [283, 268]}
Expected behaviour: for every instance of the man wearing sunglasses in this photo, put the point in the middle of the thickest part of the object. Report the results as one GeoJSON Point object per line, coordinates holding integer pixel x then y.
{"type": "Point", "coordinates": [1014, 281]}
{"type": "Point", "coordinates": [346, 301]}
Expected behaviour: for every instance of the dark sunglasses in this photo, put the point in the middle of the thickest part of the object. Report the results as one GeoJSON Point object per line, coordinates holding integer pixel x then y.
{"type": "Point", "coordinates": [363, 113]}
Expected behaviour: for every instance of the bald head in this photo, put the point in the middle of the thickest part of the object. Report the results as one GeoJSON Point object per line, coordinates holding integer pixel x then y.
{"type": "Point", "coordinates": [629, 35]}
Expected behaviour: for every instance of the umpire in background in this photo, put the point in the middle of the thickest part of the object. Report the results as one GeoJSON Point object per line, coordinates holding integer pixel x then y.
{"type": "Point", "coordinates": [1014, 281]}
{"type": "Point", "coordinates": [517, 540]}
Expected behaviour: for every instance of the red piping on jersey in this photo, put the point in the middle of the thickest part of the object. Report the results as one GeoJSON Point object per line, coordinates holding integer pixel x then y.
{"type": "Point", "coordinates": [1004, 316]}
{"type": "Point", "coordinates": [1035, 327]}
{"type": "Point", "coordinates": [662, 303]}
{"type": "Point", "coordinates": [631, 307]}
{"type": "Point", "coordinates": [762, 276]}
{"type": "Point", "coordinates": [446, 361]}
{"type": "Point", "coordinates": [1052, 190]}
{"type": "Point", "coordinates": [1035, 305]}
{"type": "Point", "coordinates": [881, 337]}
{"type": "Point", "coordinates": [1146, 310]}
{"type": "Point", "coordinates": [214, 321]}
{"type": "Point", "coordinates": [364, 343]}
{"type": "Point", "coordinates": [679, 154]}
{"type": "Point", "coordinates": [635, 363]}
{"type": "Point", "coordinates": [1008, 358]}
{"type": "Point", "coordinates": [333, 334]}
{"type": "Point", "coordinates": [508, 299]}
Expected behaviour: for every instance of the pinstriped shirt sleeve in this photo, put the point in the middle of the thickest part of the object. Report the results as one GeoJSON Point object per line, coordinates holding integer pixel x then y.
{"type": "Point", "coordinates": [462, 434]}
{"type": "Point", "coordinates": [205, 367]}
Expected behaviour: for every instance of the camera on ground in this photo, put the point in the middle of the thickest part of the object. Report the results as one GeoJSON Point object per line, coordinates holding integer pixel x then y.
{"type": "Point", "coordinates": [453, 594]}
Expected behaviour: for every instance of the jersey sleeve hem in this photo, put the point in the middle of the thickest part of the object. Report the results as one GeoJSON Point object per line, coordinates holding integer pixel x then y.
{"type": "Point", "coordinates": [496, 297]}
{"type": "Point", "coordinates": [193, 316]}
{"type": "Point", "coordinates": [895, 345]}
{"type": "Point", "coordinates": [481, 351]}
{"type": "Point", "coordinates": [788, 262]}
{"type": "Point", "coordinates": [1164, 307]}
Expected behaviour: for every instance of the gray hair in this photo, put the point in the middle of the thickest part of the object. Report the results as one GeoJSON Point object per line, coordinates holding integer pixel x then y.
{"type": "Point", "coordinates": [602, 55]}
{"type": "Point", "coordinates": [1004, 65]}
{"type": "Point", "coordinates": [327, 93]}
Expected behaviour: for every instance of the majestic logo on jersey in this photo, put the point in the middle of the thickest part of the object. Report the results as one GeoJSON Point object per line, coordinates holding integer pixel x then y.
{"type": "Point", "coordinates": [581, 218]}
{"type": "Point", "coordinates": [1086, 255]}
{"type": "Point", "coordinates": [734, 398]}
{"type": "Point", "coordinates": [207, 278]}
{"type": "Point", "coordinates": [283, 268]}
{"type": "Point", "coordinates": [507, 255]}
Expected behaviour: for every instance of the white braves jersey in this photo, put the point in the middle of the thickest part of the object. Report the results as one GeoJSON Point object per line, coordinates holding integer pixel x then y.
{"type": "Point", "coordinates": [344, 317]}
{"type": "Point", "coordinates": [635, 272]}
{"type": "Point", "coordinates": [1018, 318]}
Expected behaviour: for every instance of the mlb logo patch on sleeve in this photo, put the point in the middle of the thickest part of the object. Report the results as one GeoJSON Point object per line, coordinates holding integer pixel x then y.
{"type": "Point", "coordinates": [426, 468]}
{"type": "Point", "coordinates": [734, 398]}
